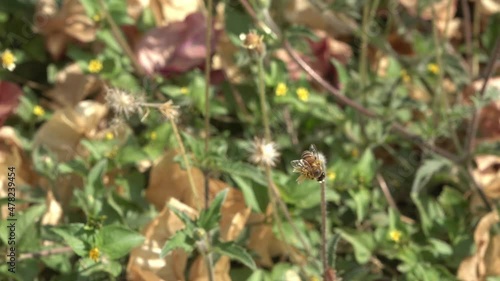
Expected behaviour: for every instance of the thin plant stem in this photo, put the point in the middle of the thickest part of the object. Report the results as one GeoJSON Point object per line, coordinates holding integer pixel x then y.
{"type": "Point", "coordinates": [262, 97]}
{"type": "Point", "coordinates": [323, 230]}
{"type": "Point", "coordinates": [364, 44]}
{"type": "Point", "coordinates": [186, 162]}
{"type": "Point", "coordinates": [476, 30]}
{"type": "Point", "coordinates": [117, 34]}
{"type": "Point", "coordinates": [208, 47]}
{"type": "Point", "coordinates": [208, 257]}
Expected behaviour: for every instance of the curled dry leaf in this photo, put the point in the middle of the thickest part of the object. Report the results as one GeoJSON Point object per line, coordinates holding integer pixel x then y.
{"type": "Point", "coordinates": [72, 86]}
{"type": "Point", "coordinates": [12, 155]}
{"type": "Point", "coordinates": [9, 99]}
{"type": "Point", "coordinates": [61, 26]}
{"type": "Point", "coordinates": [486, 261]}
{"type": "Point", "coordinates": [175, 48]}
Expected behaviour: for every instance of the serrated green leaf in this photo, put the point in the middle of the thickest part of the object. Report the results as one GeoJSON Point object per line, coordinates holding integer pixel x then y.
{"type": "Point", "coordinates": [362, 242]}
{"type": "Point", "coordinates": [117, 241]}
{"type": "Point", "coordinates": [179, 240]}
{"type": "Point", "coordinates": [210, 217]}
{"type": "Point", "coordinates": [24, 220]}
{"type": "Point", "coordinates": [236, 252]}
{"type": "Point", "coordinates": [68, 232]}
{"type": "Point", "coordinates": [426, 171]}
{"type": "Point", "coordinates": [248, 193]}
{"type": "Point", "coordinates": [94, 179]}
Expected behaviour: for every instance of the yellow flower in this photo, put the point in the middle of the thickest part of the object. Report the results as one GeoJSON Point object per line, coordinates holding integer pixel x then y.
{"type": "Point", "coordinates": [95, 66]}
{"type": "Point", "coordinates": [8, 60]}
{"type": "Point", "coordinates": [331, 176]}
{"type": "Point", "coordinates": [96, 17]}
{"type": "Point", "coordinates": [281, 89]}
{"type": "Point", "coordinates": [38, 111]}
{"type": "Point", "coordinates": [153, 135]}
{"type": "Point", "coordinates": [405, 76]}
{"type": "Point", "coordinates": [303, 94]}
{"type": "Point", "coordinates": [395, 235]}
{"type": "Point", "coordinates": [184, 90]}
{"type": "Point", "coordinates": [94, 254]}
{"type": "Point", "coordinates": [110, 136]}
{"type": "Point", "coordinates": [433, 68]}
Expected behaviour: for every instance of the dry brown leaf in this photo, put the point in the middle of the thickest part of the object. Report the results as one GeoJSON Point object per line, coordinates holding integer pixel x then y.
{"type": "Point", "coordinates": [262, 240]}
{"type": "Point", "coordinates": [489, 7]}
{"type": "Point", "coordinates": [487, 175]}
{"type": "Point", "coordinates": [485, 262]}
{"type": "Point", "coordinates": [145, 262]}
{"type": "Point", "coordinates": [442, 13]}
{"type": "Point", "coordinates": [198, 271]}
{"type": "Point", "coordinates": [63, 26]}
{"type": "Point", "coordinates": [302, 12]}
{"type": "Point", "coordinates": [168, 11]}
{"type": "Point", "coordinates": [54, 211]}
{"type": "Point", "coordinates": [136, 7]}
{"type": "Point", "coordinates": [72, 86]}
{"type": "Point", "coordinates": [489, 119]}
{"type": "Point", "coordinates": [70, 125]}
{"type": "Point", "coordinates": [12, 155]}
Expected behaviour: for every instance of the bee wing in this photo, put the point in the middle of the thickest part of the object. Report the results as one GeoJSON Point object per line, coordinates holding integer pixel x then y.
{"type": "Point", "coordinates": [300, 165]}
{"type": "Point", "coordinates": [300, 179]}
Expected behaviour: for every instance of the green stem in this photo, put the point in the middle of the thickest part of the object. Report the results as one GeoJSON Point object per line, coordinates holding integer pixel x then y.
{"type": "Point", "coordinates": [262, 97]}
{"type": "Point", "coordinates": [208, 46]}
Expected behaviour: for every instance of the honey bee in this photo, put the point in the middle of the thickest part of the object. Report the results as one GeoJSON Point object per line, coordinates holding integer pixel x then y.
{"type": "Point", "coordinates": [310, 166]}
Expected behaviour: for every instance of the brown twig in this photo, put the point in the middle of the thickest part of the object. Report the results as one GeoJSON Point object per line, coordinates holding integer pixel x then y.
{"type": "Point", "coordinates": [44, 253]}
{"type": "Point", "coordinates": [208, 64]}
{"type": "Point", "coordinates": [468, 33]}
{"type": "Point", "coordinates": [387, 192]}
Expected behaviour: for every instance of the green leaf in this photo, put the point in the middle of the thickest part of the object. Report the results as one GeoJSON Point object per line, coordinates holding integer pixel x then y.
{"type": "Point", "coordinates": [190, 224]}
{"type": "Point", "coordinates": [367, 166]}
{"type": "Point", "coordinates": [246, 188]}
{"type": "Point", "coordinates": [235, 252]}
{"type": "Point", "coordinates": [117, 241]}
{"type": "Point", "coordinates": [68, 234]}
{"type": "Point", "coordinates": [363, 244]}
{"type": "Point", "coordinates": [24, 221]}
{"type": "Point", "coordinates": [425, 172]}
{"type": "Point", "coordinates": [96, 174]}
{"type": "Point", "coordinates": [210, 217]}
{"type": "Point", "coordinates": [179, 240]}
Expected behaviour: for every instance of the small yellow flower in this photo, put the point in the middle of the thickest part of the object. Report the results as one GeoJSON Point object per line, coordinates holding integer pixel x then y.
{"type": "Point", "coordinates": [331, 176]}
{"type": "Point", "coordinates": [153, 136]}
{"type": "Point", "coordinates": [314, 278]}
{"type": "Point", "coordinates": [184, 90]}
{"type": "Point", "coordinates": [94, 254]}
{"type": "Point", "coordinates": [110, 136]}
{"type": "Point", "coordinates": [395, 235]}
{"type": "Point", "coordinates": [281, 90]}
{"type": "Point", "coordinates": [433, 68]}
{"type": "Point", "coordinates": [8, 60]}
{"type": "Point", "coordinates": [38, 111]}
{"type": "Point", "coordinates": [95, 66]}
{"type": "Point", "coordinates": [96, 17]}
{"type": "Point", "coordinates": [303, 94]}
{"type": "Point", "coordinates": [405, 76]}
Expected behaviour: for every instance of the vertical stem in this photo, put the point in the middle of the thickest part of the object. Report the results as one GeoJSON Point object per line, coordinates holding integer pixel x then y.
{"type": "Point", "coordinates": [323, 230]}
{"type": "Point", "coordinates": [186, 162]}
{"type": "Point", "coordinates": [208, 46]}
{"type": "Point", "coordinates": [208, 257]}
{"type": "Point", "coordinates": [262, 97]}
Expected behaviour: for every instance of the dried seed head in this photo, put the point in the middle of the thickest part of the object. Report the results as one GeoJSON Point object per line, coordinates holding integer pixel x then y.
{"type": "Point", "coordinates": [264, 153]}
{"type": "Point", "coordinates": [123, 103]}
{"type": "Point", "coordinates": [169, 110]}
{"type": "Point", "coordinates": [253, 42]}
